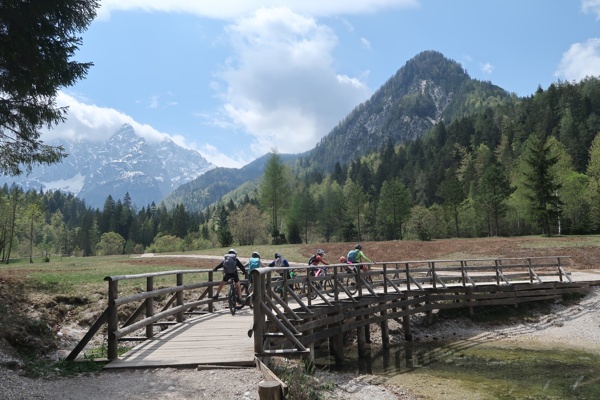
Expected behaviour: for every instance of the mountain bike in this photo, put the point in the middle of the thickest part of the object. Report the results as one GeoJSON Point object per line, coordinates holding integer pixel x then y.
{"type": "Point", "coordinates": [317, 284]}
{"type": "Point", "coordinates": [232, 296]}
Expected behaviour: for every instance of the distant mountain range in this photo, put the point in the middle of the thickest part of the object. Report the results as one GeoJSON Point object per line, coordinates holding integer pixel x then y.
{"type": "Point", "coordinates": [428, 89]}
{"type": "Point", "coordinates": [126, 163]}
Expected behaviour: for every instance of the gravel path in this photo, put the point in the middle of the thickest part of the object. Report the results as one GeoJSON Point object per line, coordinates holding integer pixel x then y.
{"type": "Point", "coordinates": [575, 326]}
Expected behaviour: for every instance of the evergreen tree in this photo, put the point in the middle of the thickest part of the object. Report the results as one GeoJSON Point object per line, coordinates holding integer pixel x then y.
{"type": "Point", "coordinates": [356, 201]}
{"type": "Point", "coordinates": [394, 207]}
{"type": "Point", "coordinates": [495, 189]}
{"type": "Point", "coordinates": [454, 195]}
{"type": "Point", "coordinates": [38, 39]}
{"type": "Point", "coordinates": [180, 221]}
{"type": "Point", "coordinates": [542, 184]}
{"type": "Point", "coordinates": [274, 191]}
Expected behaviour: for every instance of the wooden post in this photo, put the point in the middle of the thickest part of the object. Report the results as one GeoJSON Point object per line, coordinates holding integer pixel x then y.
{"type": "Point", "coordinates": [269, 390]}
{"type": "Point", "coordinates": [560, 274]}
{"type": "Point", "coordinates": [406, 322]}
{"type": "Point", "coordinates": [360, 338]}
{"type": "Point", "coordinates": [179, 315]}
{"type": "Point", "coordinates": [385, 333]}
{"type": "Point", "coordinates": [259, 315]}
{"type": "Point", "coordinates": [429, 312]}
{"type": "Point", "coordinates": [211, 307]}
{"type": "Point", "coordinates": [149, 306]}
{"type": "Point", "coordinates": [113, 320]}
{"type": "Point", "coordinates": [496, 262]}
{"type": "Point", "coordinates": [336, 342]}
{"type": "Point", "coordinates": [336, 283]}
{"type": "Point", "coordinates": [469, 292]}
{"type": "Point", "coordinates": [432, 270]}
{"type": "Point", "coordinates": [367, 326]}
{"type": "Point", "coordinates": [385, 279]}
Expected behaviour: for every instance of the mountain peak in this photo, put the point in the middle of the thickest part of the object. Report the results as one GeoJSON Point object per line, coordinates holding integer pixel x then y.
{"type": "Point", "coordinates": [124, 163]}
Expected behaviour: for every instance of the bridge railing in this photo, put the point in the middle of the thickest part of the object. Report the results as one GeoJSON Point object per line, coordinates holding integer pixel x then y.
{"type": "Point", "coordinates": [281, 310]}
{"type": "Point", "coordinates": [178, 298]}
{"type": "Point", "coordinates": [156, 303]}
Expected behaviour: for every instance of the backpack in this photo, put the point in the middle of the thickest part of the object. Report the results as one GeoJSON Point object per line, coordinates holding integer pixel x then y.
{"type": "Point", "coordinates": [253, 263]}
{"type": "Point", "coordinates": [312, 259]}
{"type": "Point", "coordinates": [351, 257]}
{"type": "Point", "coordinates": [278, 263]}
{"type": "Point", "coordinates": [229, 264]}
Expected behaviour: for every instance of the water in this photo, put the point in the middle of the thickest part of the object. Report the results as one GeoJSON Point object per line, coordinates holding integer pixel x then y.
{"type": "Point", "coordinates": [470, 369]}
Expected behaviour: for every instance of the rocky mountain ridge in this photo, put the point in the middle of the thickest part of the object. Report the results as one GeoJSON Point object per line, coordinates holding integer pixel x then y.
{"type": "Point", "coordinates": [126, 163]}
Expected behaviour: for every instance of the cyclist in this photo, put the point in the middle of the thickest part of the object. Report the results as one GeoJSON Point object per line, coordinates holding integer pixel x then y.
{"type": "Point", "coordinates": [316, 260]}
{"type": "Point", "coordinates": [253, 263]}
{"type": "Point", "coordinates": [230, 264]}
{"type": "Point", "coordinates": [356, 256]}
{"type": "Point", "coordinates": [280, 262]}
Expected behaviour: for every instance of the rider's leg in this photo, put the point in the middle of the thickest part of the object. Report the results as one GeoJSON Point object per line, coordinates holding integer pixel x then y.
{"type": "Point", "coordinates": [239, 290]}
{"type": "Point", "coordinates": [216, 295]}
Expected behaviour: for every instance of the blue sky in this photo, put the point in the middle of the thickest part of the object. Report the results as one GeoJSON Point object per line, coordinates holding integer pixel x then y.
{"type": "Point", "coordinates": [236, 79]}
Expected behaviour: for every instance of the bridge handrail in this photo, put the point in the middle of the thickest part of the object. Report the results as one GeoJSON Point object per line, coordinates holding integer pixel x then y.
{"type": "Point", "coordinates": [393, 275]}
{"type": "Point", "coordinates": [115, 278]}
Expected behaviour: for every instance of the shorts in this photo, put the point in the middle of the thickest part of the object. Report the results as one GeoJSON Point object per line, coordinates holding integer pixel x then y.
{"type": "Point", "coordinates": [227, 277]}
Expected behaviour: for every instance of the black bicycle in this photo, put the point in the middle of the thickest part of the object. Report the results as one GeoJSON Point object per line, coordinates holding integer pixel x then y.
{"type": "Point", "coordinates": [232, 296]}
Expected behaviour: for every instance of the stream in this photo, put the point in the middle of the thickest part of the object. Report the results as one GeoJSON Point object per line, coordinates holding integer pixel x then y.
{"type": "Point", "coordinates": [472, 369]}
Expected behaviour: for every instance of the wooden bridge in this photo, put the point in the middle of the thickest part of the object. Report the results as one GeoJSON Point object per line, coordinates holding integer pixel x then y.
{"type": "Point", "coordinates": [179, 324]}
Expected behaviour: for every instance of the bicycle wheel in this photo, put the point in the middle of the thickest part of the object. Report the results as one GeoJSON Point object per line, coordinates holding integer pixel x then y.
{"type": "Point", "coordinates": [329, 287]}
{"type": "Point", "coordinates": [245, 294]}
{"type": "Point", "coordinates": [351, 285]}
{"type": "Point", "coordinates": [231, 299]}
{"type": "Point", "coordinates": [313, 294]}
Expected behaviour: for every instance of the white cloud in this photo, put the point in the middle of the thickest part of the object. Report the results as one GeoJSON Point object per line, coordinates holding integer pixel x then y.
{"type": "Point", "coordinates": [581, 60]}
{"type": "Point", "coordinates": [280, 85]}
{"type": "Point", "coordinates": [86, 122]}
{"type": "Point", "coordinates": [487, 68]}
{"type": "Point", "coordinates": [94, 123]}
{"type": "Point", "coordinates": [216, 157]}
{"type": "Point", "coordinates": [365, 43]}
{"type": "Point", "coordinates": [591, 6]}
{"type": "Point", "coordinates": [231, 9]}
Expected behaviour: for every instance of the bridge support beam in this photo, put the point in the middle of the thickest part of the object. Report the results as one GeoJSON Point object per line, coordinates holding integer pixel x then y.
{"type": "Point", "coordinates": [360, 339]}
{"type": "Point", "coordinates": [406, 323]}
{"type": "Point", "coordinates": [336, 343]}
{"type": "Point", "coordinates": [385, 333]}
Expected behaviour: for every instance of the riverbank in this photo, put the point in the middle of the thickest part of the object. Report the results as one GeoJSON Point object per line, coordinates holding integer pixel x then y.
{"type": "Point", "coordinates": [574, 324]}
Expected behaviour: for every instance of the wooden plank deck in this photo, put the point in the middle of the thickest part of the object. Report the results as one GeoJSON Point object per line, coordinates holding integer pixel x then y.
{"type": "Point", "coordinates": [214, 339]}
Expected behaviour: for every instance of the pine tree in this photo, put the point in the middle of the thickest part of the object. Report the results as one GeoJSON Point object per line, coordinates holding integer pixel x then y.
{"type": "Point", "coordinates": [38, 39]}
{"type": "Point", "coordinates": [541, 183]}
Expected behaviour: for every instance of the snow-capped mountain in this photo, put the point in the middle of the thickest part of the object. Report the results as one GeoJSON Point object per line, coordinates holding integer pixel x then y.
{"type": "Point", "coordinates": [126, 163]}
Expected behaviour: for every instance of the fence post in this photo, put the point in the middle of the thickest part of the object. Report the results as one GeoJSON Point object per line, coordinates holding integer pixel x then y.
{"type": "Point", "coordinates": [259, 314]}
{"type": "Point", "coordinates": [149, 306]}
{"type": "Point", "coordinates": [385, 279]}
{"type": "Point", "coordinates": [179, 297]}
{"type": "Point", "coordinates": [432, 269]}
{"type": "Point", "coordinates": [211, 307]}
{"type": "Point", "coordinates": [560, 272]}
{"type": "Point", "coordinates": [113, 320]}
{"type": "Point", "coordinates": [496, 263]}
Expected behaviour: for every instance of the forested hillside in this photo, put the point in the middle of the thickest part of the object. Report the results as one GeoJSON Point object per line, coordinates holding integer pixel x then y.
{"type": "Point", "coordinates": [507, 166]}
{"type": "Point", "coordinates": [427, 90]}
